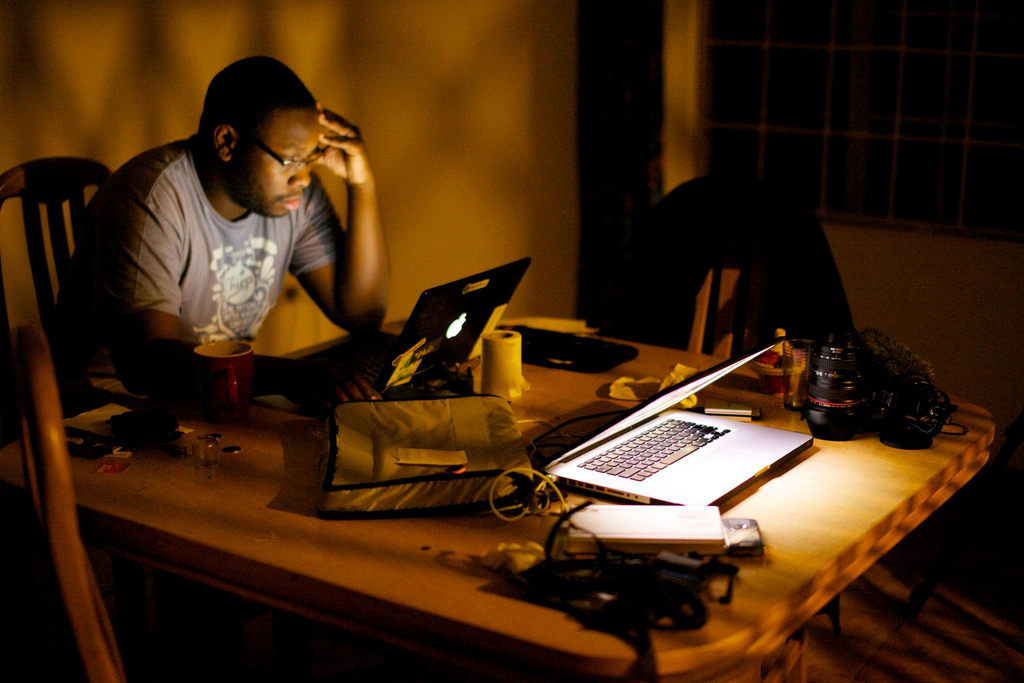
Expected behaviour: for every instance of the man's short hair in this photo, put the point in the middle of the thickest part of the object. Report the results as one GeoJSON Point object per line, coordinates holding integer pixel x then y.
{"type": "Point", "coordinates": [245, 93]}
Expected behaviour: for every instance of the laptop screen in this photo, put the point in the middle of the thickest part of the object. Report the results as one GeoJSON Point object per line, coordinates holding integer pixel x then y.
{"type": "Point", "coordinates": [448, 320]}
{"type": "Point", "coordinates": [666, 398]}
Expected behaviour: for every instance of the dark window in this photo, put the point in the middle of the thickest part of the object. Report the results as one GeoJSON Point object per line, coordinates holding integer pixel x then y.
{"type": "Point", "coordinates": [900, 112]}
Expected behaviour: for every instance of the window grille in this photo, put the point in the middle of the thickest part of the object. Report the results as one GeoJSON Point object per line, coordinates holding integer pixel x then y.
{"type": "Point", "coordinates": [898, 112]}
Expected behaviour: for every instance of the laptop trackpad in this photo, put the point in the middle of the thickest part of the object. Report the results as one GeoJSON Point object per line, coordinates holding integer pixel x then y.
{"type": "Point", "coordinates": [726, 467]}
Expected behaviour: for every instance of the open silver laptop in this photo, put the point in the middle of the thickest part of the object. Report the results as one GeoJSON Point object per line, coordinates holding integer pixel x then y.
{"type": "Point", "coordinates": [656, 454]}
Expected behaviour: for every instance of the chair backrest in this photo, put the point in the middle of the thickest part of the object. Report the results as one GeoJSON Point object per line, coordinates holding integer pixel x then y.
{"type": "Point", "coordinates": [48, 478]}
{"type": "Point", "coordinates": [720, 264]}
{"type": "Point", "coordinates": [53, 188]}
{"type": "Point", "coordinates": [729, 305]}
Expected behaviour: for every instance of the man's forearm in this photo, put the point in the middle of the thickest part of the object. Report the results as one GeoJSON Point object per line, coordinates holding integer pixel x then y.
{"type": "Point", "coordinates": [166, 368]}
{"type": "Point", "coordinates": [309, 381]}
{"type": "Point", "coordinates": [161, 367]}
{"type": "Point", "coordinates": [274, 375]}
{"type": "Point", "coordinates": [363, 272]}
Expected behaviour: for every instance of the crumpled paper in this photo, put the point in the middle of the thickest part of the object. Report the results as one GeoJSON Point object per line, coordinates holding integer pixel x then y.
{"type": "Point", "coordinates": [513, 558]}
{"type": "Point", "coordinates": [633, 389]}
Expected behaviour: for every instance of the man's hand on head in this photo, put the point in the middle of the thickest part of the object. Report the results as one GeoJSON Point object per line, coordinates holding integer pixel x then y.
{"type": "Point", "coordinates": [346, 153]}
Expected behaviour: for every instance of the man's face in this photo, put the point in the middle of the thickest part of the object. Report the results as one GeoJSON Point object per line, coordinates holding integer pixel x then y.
{"type": "Point", "coordinates": [259, 182]}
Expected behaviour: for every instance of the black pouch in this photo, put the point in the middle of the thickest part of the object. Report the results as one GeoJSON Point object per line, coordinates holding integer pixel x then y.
{"type": "Point", "coordinates": [573, 352]}
{"type": "Point", "coordinates": [145, 427]}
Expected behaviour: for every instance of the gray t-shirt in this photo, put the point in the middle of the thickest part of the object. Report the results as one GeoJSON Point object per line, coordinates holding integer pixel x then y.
{"type": "Point", "coordinates": [162, 246]}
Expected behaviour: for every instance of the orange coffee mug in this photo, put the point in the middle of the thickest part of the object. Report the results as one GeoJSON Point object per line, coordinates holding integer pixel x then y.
{"type": "Point", "coordinates": [224, 370]}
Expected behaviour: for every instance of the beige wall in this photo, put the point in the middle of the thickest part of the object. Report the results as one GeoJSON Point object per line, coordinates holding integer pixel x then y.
{"type": "Point", "coordinates": [958, 302]}
{"type": "Point", "coordinates": [467, 106]}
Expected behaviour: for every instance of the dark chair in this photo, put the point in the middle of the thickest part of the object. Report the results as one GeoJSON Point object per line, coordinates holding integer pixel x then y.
{"type": "Point", "coordinates": [48, 479]}
{"type": "Point", "coordinates": [53, 188]}
{"type": "Point", "coordinates": [720, 264]}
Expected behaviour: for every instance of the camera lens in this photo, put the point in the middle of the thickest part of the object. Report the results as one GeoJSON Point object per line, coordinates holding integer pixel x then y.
{"type": "Point", "coordinates": [835, 390]}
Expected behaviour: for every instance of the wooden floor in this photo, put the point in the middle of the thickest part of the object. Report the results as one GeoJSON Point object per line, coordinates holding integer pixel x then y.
{"type": "Point", "coordinates": [971, 629]}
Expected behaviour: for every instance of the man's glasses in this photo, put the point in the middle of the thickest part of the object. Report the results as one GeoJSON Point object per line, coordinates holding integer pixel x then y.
{"type": "Point", "coordinates": [289, 164]}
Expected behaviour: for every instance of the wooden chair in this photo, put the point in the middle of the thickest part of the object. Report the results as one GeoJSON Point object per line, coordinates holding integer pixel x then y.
{"type": "Point", "coordinates": [719, 264]}
{"type": "Point", "coordinates": [48, 479]}
{"type": "Point", "coordinates": [53, 188]}
{"type": "Point", "coordinates": [728, 306]}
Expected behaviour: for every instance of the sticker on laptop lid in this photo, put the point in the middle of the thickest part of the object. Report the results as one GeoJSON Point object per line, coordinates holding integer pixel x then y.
{"type": "Point", "coordinates": [473, 286]}
{"type": "Point", "coordinates": [407, 363]}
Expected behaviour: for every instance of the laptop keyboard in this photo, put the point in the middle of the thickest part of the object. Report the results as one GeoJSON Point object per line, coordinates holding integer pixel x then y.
{"type": "Point", "coordinates": [370, 367]}
{"type": "Point", "coordinates": [368, 355]}
{"type": "Point", "coordinates": [651, 451]}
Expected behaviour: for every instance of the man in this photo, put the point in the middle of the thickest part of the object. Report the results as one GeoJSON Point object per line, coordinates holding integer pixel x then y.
{"type": "Point", "coordinates": [193, 238]}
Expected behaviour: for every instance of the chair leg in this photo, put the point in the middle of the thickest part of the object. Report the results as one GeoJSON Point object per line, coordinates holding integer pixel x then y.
{"type": "Point", "coordinates": [131, 617]}
{"type": "Point", "coordinates": [972, 503]}
{"type": "Point", "coordinates": [920, 593]}
{"type": "Point", "coordinates": [952, 547]}
{"type": "Point", "coordinates": [200, 631]}
{"type": "Point", "coordinates": [292, 654]}
{"type": "Point", "coordinates": [975, 499]}
{"type": "Point", "coordinates": [832, 611]}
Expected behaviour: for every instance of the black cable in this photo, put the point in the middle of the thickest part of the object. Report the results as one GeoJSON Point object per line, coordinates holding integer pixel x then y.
{"type": "Point", "coordinates": [577, 419]}
{"type": "Point", "coordinates": [549, 543]}
{"type": "Point", "coordinates": [619, 593]}
{"type": "Point", "coordinates": [537, 445]}
{"type": "Point", "coordinates": [960, 430]}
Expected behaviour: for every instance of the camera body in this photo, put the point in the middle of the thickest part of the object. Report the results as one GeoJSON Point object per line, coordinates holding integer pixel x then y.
{"type": "Point", "coordinates": [912, 411]}
{"type": "Point", "coordinates": [835, 406]}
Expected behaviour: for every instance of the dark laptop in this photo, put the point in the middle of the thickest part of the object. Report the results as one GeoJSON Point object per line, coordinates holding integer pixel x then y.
{"type": "Point", "coordinates": [444, 328]}
{"type": "Point", "coordinates": [656, 454]}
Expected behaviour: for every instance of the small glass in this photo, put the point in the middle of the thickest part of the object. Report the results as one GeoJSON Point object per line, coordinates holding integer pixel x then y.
{"type": "Point", "coordinates": [796, 369]}
{"type": "Point", "coordinates": [205, 456]}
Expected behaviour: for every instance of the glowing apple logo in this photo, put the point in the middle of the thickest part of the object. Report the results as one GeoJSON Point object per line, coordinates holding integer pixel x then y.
{"type": "Point", "coordinates": [455, 327]}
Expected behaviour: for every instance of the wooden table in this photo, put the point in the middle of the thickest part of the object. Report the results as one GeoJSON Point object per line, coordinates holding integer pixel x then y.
{"type": "Point", "coordinates": [419, 584]}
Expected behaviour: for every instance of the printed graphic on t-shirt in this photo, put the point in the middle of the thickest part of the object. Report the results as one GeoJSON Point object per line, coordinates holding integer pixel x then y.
{"type": "Point", "coordinates": [245, 277]}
